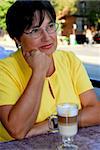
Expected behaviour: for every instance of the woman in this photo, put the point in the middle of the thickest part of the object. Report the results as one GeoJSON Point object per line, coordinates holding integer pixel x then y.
{"type": "Point", "coordinates": [35, 79]}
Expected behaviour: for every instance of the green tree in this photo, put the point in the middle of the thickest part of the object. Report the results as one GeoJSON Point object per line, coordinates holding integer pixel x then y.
{"type": "Point", "coordinates": [68, 4]}
{"type": "Point", "coordinates": [4, 5]}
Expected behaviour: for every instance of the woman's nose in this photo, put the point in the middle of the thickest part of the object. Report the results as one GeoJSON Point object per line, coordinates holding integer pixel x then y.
{"type": "Point", "coordinates": [45, 35]}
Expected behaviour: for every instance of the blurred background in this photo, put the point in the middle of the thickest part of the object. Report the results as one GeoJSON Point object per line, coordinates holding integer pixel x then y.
{"type": "Point", "coordinates": [79, 20]}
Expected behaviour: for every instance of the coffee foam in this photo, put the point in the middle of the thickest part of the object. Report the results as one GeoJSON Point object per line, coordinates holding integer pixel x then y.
{"type": "Point", "coordinates": [67, 110]}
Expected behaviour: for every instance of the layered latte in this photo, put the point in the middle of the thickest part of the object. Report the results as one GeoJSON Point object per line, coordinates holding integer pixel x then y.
{"type": "Point", "coordinates": [67, 119]}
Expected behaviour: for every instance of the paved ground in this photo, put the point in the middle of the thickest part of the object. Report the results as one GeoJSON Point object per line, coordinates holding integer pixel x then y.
{"type": "Point", "coordinates": [87, 53]}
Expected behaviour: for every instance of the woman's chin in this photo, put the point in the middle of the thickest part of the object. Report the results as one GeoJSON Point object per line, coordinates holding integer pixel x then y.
{"type": "Point", "coordinates": [48, 51]}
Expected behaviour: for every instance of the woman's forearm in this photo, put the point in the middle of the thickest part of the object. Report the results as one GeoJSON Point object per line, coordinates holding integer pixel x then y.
{"type": "Point", "coordinates": [39, 128]}
{"type": "Point", "coordinates": [89, 116]}
{"type": "Point", "coordinates": [24, 112]}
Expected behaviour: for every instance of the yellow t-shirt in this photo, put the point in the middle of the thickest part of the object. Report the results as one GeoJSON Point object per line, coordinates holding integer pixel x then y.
{"type": "Point", "coordinates": [67, 82]}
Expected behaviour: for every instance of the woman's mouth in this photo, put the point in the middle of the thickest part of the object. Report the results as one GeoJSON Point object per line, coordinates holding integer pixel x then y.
{"type": "Point", "coordinates": [48, 46]}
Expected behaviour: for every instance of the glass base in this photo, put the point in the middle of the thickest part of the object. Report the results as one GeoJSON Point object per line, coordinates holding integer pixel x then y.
{"type": "Point", "coordinates": [67, 147]}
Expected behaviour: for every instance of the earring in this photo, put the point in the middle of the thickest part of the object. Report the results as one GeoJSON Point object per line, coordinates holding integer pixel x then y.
{"type": "Point", "coordinates": [18, 45]}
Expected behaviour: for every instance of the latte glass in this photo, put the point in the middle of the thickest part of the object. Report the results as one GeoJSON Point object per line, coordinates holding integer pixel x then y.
{"type": "Point", "coordinates": [68, 125]}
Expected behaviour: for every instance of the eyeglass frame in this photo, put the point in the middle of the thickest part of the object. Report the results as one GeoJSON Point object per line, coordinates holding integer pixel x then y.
{"type": "Point", "coordinates": [40, 29]}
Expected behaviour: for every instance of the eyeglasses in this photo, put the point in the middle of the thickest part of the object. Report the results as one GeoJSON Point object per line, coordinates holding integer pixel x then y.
{"type": "Point", "coordinates": [36, 32]}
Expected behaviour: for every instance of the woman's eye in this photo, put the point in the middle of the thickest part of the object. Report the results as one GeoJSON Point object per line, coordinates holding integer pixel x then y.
{"type": "Point", "coordinates": [51, 25]}
{"type": "Point", "coordinates": [35, 30]}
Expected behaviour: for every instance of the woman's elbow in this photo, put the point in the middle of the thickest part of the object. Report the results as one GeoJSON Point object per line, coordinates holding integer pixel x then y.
{"type": "Point", "coordinates": [17, 133]}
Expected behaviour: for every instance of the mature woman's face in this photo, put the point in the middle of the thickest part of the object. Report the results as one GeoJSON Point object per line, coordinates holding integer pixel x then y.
{"type": "Point", "coordinates": [45, 42]}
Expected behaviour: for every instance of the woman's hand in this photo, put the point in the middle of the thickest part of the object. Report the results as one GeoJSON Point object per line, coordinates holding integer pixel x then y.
{"type": "Point", "coordinates": [38, 61]}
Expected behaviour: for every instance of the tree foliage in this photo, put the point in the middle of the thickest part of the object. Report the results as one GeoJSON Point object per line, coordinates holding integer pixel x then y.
{"type": "Point", "coordinates": [68, 4]}
{"type": "Point", "coordinates": [4, 5]}
{"type": "Point", "coordinates": [94, 13]}
{"type": "Point", "coordinates": [59, 5]}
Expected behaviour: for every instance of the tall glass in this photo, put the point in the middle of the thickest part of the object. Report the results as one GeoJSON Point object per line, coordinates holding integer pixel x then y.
{"type": "Point", "coordinates": [67, 124]}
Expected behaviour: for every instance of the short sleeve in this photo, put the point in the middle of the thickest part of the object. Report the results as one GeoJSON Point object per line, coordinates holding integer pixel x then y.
{"type": "Point", "coordinates": [79, 74]}
{"type": "Point", "coordinates": [9, 87]}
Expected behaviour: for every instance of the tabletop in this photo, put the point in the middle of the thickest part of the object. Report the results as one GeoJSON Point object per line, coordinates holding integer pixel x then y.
{"type": "Point", "coordinates": [87, 139]}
